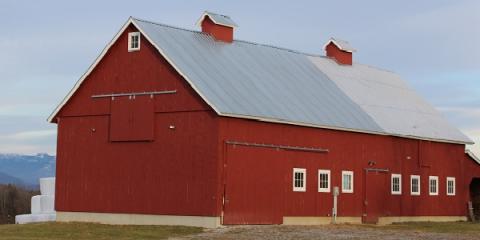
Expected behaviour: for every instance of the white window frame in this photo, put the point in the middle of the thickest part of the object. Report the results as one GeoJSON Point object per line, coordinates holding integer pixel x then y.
{"type": "Point", "coordinates": [347, 173]}
{"type": "Point", "coordinates": [451, 179]}
{"type": "Point", "coordinates": [304, 187]}
{"type": "Point", "coordinates": [130, 36]}
{"type": "Point", "coordinates": [430, 178]}
{"type": "Point", "coordinates": [320, 172]}
{"type": "Point", "coordinates": [411, 185]}
{"type": "Point", "coordinates": [399, 176]}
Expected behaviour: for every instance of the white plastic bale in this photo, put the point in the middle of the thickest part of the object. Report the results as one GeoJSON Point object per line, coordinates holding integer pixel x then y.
{"type": "Point", "coordinates": [36, 204]}
{"type": "Point", "coordinates": [47, 186]}
{"type": "Point", "coordinates": [33, 218]}
{"type": "Point", "coordinates": [47, 204]}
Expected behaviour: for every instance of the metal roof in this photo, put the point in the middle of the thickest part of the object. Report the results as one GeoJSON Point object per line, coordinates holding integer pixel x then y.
{"type": "Point", "coordinates": [255, 81]}
{"type": "Point", "coordinates": [342, 44]}
{"type": "Point", "coordinates": [218, 19]}
{"type": "Point", "coordinates": [473, 156]}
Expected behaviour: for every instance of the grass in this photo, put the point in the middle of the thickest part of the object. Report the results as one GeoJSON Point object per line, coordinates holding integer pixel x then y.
{"type": "Point", "coordinates": [434, 227]}
{"type": "Point", "coordinates": [71, 231]}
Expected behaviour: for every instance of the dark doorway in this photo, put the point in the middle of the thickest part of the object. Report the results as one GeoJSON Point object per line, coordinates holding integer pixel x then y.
{"type": "Point", "coordinates": [475, 197]}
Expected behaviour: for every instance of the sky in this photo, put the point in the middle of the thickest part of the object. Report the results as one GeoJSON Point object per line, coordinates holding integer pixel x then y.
{"type": "Point", "coordinates": [45, 47]}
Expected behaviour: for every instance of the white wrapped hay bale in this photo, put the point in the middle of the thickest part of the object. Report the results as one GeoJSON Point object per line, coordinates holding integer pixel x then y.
{"type": "Point", "coordinates": [24, 218]}
{"type": "Point", "coordinates": [36, 206]}
{"type": "Point", "coordinates": [47, 186]}
{"type": "Point", "coordinates": [47, 204]}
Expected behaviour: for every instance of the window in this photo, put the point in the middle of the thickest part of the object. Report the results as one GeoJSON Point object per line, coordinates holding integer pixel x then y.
{"type": "Point", "coordinates": [414, 185]}
{"type": "Point", "coordinates": [396, 184]}
{"type": "Point", "coordinates": [347, 182]}
{"type": "Point", "coordinates": [133, 41]}
{"type": "Point", "coordinates": [450, 186]}
{"type": "Point", "coordinates": [433, 185]}
{"type": "Point", "coordinates": [299, 179]}
{"type": "Point", "coordinates": [323, 180]}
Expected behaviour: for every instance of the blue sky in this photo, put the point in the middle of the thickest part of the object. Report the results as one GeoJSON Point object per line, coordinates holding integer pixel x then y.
{"type": "Point", "coordinates": [47, 45]}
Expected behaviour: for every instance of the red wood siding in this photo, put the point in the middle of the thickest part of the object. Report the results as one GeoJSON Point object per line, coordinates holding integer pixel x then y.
{"type": "Point", "coordinates": [185, 167]}
{"type": "Point", "coordinates": [340, 56]}
{"type": "Point", "coordinates": [132, 119]}
{"type": "Point", "coordinates": [219, 32]}
{"type": "Point", "coordinates": [176, 173]}
{"type": "Point", "coordinates": [352, 151]}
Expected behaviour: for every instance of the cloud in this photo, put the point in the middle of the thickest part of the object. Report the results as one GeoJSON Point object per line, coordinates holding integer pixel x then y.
{"type": "Point", "coordinates": [29, 142]}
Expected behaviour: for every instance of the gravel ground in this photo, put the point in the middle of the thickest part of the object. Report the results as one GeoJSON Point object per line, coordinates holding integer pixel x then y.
{"type": "Point", "coordinates": [320, 232]}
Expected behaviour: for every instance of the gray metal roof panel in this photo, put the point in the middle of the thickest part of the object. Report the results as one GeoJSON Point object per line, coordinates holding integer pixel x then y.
{"type": "Point", "coordinates": [247, 79]}
{"type": "Point", "coordinates": [394, 106]}
{"type": "Point", "coordinates": [254, 80]}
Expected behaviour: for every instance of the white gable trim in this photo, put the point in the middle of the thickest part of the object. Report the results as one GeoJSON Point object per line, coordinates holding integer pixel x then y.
{"type": "Point", "coordinates": [336, 44]}
{"type": "Point", "coordinates": [87, 73]}
{"type": "Point", "coordinates": [100, 57]}
{"type": "Point", "coordinates": [257, 118]}
{"type": "Point", "coordinates": [200, 20]}
{"type": "Point", "coordinates": [472, 155]}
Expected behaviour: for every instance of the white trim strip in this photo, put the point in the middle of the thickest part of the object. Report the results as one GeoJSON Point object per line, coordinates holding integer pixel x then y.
{"type": "Point", "coordinates": [264, 119]}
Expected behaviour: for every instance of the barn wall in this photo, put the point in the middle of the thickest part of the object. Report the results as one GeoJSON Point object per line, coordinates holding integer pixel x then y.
{"type": "Point", "coordinates": [349, 151]}
{"type": "Point", "coordinates": [162, 171]}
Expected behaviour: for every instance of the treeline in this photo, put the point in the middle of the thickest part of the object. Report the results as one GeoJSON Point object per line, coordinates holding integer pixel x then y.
{"type": "Point", "coordinates": [14, 200]}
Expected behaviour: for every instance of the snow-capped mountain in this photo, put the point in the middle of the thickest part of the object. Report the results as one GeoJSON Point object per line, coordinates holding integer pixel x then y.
{"type": "Point", "coordinates": [26, 168]}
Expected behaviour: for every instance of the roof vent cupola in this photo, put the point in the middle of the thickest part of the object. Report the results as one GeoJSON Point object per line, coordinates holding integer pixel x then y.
{"type": "Point", "coordinates": [340, 51]}
{"type": "Point", "coordinates": [219, 26]}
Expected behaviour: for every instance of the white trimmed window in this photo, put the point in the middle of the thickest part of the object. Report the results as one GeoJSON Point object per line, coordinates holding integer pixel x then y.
{"type": "Point", "coordinates": [433, 185]}
{"type": "Point", "coordinates": [323, 180]}
{"type": "Point", "coordinates": [414, 185]}
{"type": "Point", "coordinates": [133, 41]}
{"type": "Point", "coordinates": [396, 184]}
{"type": "Point", "coordinates": [347, 182]}
{"type": "Point", "coordinates": [299, 179]}
{"type": "Point", "coordinates": [450, 186]}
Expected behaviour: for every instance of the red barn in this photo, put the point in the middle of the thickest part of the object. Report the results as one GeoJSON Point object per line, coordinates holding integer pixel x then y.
{"type": "Point", "coordinates": [175, 126]}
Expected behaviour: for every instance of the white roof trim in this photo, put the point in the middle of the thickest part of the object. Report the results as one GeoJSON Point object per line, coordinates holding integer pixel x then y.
{"type": "Point", "coordinates": [332, 40]}
{"type": "Point", "coordinates": [271, 120]}
{"type": "Point", "coordinates": [206, 13]}
{"type": "Point", "coordinates": [90, 69]}
{"type": "Point", "coordinates": [472, 155]}
{"type": "Point", "coordinates": [100, 57]}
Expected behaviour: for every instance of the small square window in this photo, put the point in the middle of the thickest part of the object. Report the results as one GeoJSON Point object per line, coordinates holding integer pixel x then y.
{"type": "Point", "coordinates": [299, 179]}
{"type": "Point", "coordinates": [415, 185]}
{"type": "Point", "coordinates": [450, 186]}
{"type": "Point", "coordinates": [133, 41]}
{"type": "Point", "coordinates": [323, 180]}
{"type": "Point", "coordinates": [396, 184]}
{"type": "Point", "coordinates": [347, 182]}
{"type": "Point", "coordinates": [433, 185]}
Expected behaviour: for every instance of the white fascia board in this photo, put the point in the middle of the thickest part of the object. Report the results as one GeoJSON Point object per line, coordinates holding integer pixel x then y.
{"type": "Point", "coordinates": [336, 44]}
{"type": "Point", "coordinates": [200, 20]}
{"type": "Point", "coordinates": [280, 121]}
{"type": "Point", "coordinates": [87, 73]}
{"type": "Point", "coordinates": [263, 119]}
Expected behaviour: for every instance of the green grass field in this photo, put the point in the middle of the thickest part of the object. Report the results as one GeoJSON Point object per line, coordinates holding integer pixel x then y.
{"type": "Point", "coordinates": [73, 231]}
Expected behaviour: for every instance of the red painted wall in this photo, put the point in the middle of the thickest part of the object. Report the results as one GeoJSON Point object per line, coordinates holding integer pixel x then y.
{"type": "Point", "coordinates": [173, 173]}
{"type": "Point", "coordinates": [340, 56]}
{"type": "Point", "coordinates": [219, 32]}
{"type": "Point", "coordinates": [349, 151]}
{"type": "Point", "coordinates": [186, 170]}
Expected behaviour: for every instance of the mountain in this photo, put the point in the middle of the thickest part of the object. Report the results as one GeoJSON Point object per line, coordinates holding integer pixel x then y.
{"type": "Point", "coordinates": [26, 168]}
{"type": "Point", "coordinates": [5, 178]}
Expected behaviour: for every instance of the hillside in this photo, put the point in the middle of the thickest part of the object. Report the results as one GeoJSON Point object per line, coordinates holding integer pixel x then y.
{"type": "Point", "coordinates": [26, 169]}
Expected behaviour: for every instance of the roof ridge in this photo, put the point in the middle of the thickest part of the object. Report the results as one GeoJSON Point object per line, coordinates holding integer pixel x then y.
{"type": "Point", "coordinates": [259, 44]}
{"type": "Point", "coordinates": [235, 40]}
